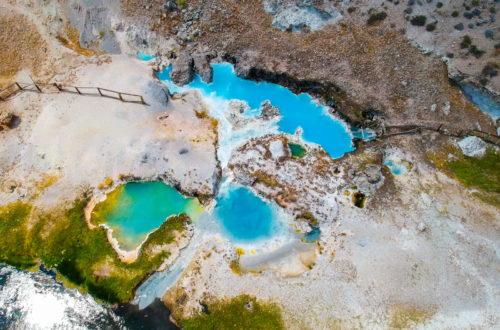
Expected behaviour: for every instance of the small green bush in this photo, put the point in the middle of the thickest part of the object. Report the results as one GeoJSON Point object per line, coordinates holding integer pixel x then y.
{"type": "Point", "coordinates": [418, 20]}
{"type": "Point", "coordinates": [430, 27]}
{"type": "Point", "coordinates": [439, 4]}
{"type": "Point", "coordinates": [466, 42]}
{"type": "Point", "coordinates": [476, 51]}
{"type": "Point", "coordinates": [376, 17]}
{"type": "Point", "coordinates": [455, 13]}
{"type": "Point", "coordinates": [181, 3]}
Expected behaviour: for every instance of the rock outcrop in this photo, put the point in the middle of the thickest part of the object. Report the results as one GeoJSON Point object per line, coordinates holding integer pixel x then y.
{"type": "Point", "coordinates": [202, 67]}
{"type": "Point", "coordinates": [301, 14]}
{"type": "Point", "coordinates": [182, 69]}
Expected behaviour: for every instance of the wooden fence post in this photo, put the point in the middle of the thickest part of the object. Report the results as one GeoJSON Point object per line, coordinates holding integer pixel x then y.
{"type": "Point", "coordinates": [39, 90]}
{"type": "Point", "coordinates": [78, 90]}
{"type": "Point", "coordinates": [142, 100]}
{"type": "Point", "coordinates": [120, 96]}
{"type": "Point", "coordinates": [19, 86]}
{"type": "Point", "coordinates": [57, 86]}
{"type": "Point", "coordinates": [99, 90]}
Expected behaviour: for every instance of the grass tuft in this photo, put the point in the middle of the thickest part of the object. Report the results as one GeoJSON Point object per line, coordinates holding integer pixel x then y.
{"type": "Point", "coordinates": [241, 312]}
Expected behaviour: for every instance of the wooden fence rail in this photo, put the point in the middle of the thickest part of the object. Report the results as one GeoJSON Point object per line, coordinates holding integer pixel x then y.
{"type": "Point", "coordinates": [18, 87]}
{"type": "Point", "coordinates": [442, 129]}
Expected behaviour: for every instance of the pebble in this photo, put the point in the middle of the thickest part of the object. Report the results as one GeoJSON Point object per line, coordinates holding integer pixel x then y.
{"type": "Point", "coordinates": [433, 107]}
{"type": "Point", "coordinates": [421, 227]}
{"type": "Point", "coordinates": [459, 26]}
{"type": "Point", "coordinates": [404, 83]}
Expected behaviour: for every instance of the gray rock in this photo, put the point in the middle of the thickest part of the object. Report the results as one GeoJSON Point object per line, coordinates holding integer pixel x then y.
{"type": "Point", "coordinates": [373, 173]}
{"type": "Point", "coordinates": [267, 111]}
{"type": "Point", "coordinates": [203, 68]}
{"type": "Point", "coordinates": [459, 26]}
{"type": "Point", "coordinates": [182, 69]}
{"type": "Point", "coordinates": [93, 19]}
{"type": "Point", "coordinates": [302, 15]}
{"type": "Point", "coordinates": [170, 6]}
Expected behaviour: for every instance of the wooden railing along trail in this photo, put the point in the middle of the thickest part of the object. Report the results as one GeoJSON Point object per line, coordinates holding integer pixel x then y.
{"type": "Point", "coordinates": [17, 87]}
{"type": "Point", "coordinates": [442, 129]}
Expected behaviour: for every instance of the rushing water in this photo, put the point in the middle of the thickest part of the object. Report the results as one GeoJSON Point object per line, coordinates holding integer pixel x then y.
{"type": "Point", "coordinates": [296, 110]}
{"type": "Point", "coordinates": [35, 300]}
{"type": "Point", "coordinates": [483, 100]}
{"type": "Point", "coordinates": [135, 209]}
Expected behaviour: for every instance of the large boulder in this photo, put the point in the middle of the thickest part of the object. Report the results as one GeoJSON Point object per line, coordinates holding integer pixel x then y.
{"type": "Point", "coordinates": [202, 67]}
{"type": "Point", "coordinates": [182, 69]}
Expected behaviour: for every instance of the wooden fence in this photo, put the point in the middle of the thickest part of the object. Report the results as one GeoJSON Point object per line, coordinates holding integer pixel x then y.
{"type": "Point", "coordinates": [442, 129]}
{"type": "Point", "coordinates": [17, 87]}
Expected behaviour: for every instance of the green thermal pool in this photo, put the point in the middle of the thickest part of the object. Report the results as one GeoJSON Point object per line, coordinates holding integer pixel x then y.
{"type": "Point", "coordinates": [135, 209]}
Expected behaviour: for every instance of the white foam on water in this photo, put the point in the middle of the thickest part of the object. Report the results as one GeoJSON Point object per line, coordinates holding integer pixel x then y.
{"type": "Point", "coordinates": [33, 300]}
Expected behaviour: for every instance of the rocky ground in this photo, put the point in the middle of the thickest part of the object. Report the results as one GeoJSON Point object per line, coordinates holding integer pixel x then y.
{"type": "Point", "coordinates": [421, 250]}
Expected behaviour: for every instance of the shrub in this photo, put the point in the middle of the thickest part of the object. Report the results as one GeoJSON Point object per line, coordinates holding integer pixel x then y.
{"type": "Point", "coordinates": [476, 51]}
{"type": "Point", "coordinates": [439, 4]}
{"type": "Point", "coordinates": [181, 3]}
{"type": "Point", "coordinates": [430, 27]}
{"type": "Point", "coordinates": [466, 42]}
{"type": "Point", "coordinates": [490, 69]}
{"type": "Point", "coordinates": [455, 13]}
{"type": "Point", "coordinates": [376, 17]}
{"type": "Point", "coordinates": [419, 20]}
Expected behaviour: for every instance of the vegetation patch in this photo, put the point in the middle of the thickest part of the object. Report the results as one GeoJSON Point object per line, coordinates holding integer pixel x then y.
{"type": "Point", "coordinates": [376, 17]}
{"type": "Point", "coordinates": [241, 312]}
{"type": "Point", "coordinates": [265, 179]}
{"type": "Point", "coordinates": [418, 20]}
{"type": "Point", "coordinates": [359, 199]}
{"type": "Point", "coordinates": [407, 318]}
{"type": "Point", "coordinates": [309, 218]}
{"type": "Point", "coordinates": [62, 240]}
{"type": "Point", "coordinates": [479, 173]}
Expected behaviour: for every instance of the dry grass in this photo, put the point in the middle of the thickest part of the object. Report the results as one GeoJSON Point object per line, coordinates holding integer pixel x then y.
{"type": "Point", "coordinates": [21, 46]}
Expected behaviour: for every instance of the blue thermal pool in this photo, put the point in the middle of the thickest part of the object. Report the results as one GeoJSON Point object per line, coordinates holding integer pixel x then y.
{"type": "Point", "coordinates": [135, 209]}
{"type": "Point", "coordinates": [244, 216]}
{"type": "Point", "coordinates": [395, 167]}
{"type": "Point", "coordinates": [296, 110]}
{"type": "Point", "coordinates": [145, 57]}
